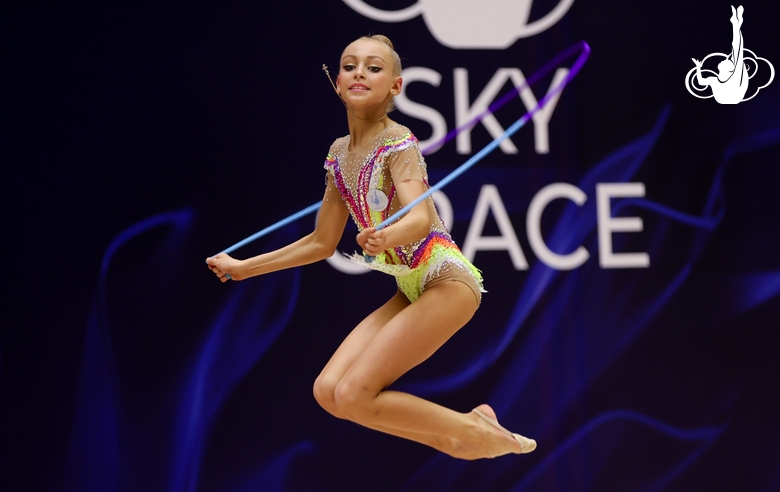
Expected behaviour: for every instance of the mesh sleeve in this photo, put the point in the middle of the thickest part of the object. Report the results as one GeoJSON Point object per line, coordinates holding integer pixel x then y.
{"type": "Point", "coordinates": [407, 164]}
{"type": "Point", "coordinates": [332, 194]}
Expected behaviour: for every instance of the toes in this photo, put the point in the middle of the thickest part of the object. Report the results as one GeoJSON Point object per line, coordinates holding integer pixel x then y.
{"type": "Point", "coordinates": [499, 441]}
{"type": "Point", "coordinates": [486, 414]}
{"type": "Point", "coordinates": [527, 444]}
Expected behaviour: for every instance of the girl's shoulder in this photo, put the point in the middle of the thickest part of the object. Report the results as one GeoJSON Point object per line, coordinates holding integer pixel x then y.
{"type": "Point", "coordinates": [398, 132]}
{"type": "Point", "coordinates": [397, 138]}
{"type": "Point", "coordinates": [339, 145]}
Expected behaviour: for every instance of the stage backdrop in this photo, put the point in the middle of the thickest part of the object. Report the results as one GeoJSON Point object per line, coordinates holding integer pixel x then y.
{"type": "Point", "coordinates": [628, 235]}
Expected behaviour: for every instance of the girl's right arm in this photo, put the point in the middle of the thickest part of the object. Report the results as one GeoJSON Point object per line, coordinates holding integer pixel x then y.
{"type": "Point", "coordinates": [318, 245]}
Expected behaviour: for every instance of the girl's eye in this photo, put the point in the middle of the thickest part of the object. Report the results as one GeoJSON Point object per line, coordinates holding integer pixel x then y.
{"type": "Point", "coordinates": [375, 69]}
{"type": "Point", "coordinates": [348, 68]}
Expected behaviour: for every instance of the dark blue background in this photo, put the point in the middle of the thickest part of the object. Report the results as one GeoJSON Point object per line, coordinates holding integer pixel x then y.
{"type": "Point", "coordinates": [136, 140]}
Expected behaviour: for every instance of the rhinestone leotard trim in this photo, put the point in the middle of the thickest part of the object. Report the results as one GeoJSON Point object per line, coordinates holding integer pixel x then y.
{"type": "Point", "coordinates": [355, 174]}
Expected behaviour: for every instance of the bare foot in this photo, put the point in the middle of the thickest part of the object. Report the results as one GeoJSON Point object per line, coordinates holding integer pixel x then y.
{"type": "Point", "coordinates": [463, 450]}
{"type": "Point", "coordinates": [498, 440]}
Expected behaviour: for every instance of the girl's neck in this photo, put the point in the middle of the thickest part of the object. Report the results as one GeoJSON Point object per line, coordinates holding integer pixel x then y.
{"type": "Point", "coordinates": [363, 129]}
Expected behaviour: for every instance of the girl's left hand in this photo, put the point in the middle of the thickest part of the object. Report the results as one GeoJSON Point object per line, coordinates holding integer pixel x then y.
{"type": "Point", "coordinates": [373, 242]}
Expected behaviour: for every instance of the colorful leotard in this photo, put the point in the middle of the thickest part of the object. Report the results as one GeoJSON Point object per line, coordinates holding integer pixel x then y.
{"type": "Point", "coordinates": [393, 156]}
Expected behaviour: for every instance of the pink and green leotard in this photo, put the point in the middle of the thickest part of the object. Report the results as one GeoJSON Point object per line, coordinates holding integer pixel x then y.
{"type": "Point", "coordinates": [393, 156]}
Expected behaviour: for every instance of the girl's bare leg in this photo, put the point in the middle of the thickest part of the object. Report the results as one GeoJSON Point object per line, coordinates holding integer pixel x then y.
{"type": "Point", "coordinates": [408, 338]}
{"type": "Point", "coordinates": [350, 350]}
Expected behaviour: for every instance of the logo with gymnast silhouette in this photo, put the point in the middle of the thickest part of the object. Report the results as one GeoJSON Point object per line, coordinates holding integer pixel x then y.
{"type": "Point", "coordinates": [733, 82]}
{"type": "Point", "coordinates": [471, 24]}
{"type": "Point", "coordinates": [377, 200]}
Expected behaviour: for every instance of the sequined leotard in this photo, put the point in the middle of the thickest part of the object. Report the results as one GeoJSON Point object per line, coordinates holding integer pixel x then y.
{"type": "Point", "coordinates": [393, 156]}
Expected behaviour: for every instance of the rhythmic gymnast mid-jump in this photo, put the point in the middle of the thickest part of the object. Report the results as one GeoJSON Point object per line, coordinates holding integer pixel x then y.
{"type": "Point", "coordinates": [731, 84]}
{"type": "Point", "coordinates": [375, 170]}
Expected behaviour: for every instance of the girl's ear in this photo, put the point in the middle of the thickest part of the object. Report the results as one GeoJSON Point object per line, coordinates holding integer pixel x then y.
{"type": "Point", "coordinates": [395, 89]}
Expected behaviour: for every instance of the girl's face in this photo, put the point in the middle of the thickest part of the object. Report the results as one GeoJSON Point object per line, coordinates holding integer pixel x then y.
{"type": "Point", "coordinates": [366, 75]}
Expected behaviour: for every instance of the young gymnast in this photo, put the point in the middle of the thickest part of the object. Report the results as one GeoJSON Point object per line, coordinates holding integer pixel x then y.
{"type": "Point", "coordinates": [372, 172]}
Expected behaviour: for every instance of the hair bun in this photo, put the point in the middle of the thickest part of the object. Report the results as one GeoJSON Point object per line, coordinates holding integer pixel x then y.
{"type": "Point", "coordinates": [383, 39]}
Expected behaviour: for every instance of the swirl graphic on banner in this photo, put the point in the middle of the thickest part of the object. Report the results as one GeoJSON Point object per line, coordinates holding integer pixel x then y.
{"type": "Point", "coordinates": [483, 24]}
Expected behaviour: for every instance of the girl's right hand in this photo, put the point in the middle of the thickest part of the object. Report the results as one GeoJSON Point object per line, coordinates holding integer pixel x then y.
{"type": "Point", "coordinates": [223, 265]}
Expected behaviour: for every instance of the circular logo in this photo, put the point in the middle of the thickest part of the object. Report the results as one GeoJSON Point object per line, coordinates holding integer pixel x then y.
{"type": "Point", "coordinates": [377, 200]}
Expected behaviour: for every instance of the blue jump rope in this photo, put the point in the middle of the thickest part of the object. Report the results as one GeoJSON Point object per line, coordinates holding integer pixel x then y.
{"type": "Point", "coordinates": [584, 50]}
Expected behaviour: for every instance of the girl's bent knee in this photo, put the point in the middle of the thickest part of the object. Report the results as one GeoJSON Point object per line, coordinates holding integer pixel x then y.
{"type": "Point", "coordinates": [350, 400]}
{"type": "Point", "coordinates": [324, 393]}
